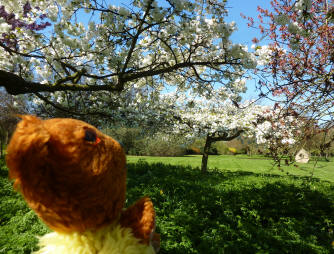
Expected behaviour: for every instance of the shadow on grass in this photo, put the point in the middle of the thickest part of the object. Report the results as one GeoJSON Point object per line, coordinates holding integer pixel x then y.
{"type": "Point", "coordinates": [219, 212]}
{"type": "Point", "coordinates": [235, 212]}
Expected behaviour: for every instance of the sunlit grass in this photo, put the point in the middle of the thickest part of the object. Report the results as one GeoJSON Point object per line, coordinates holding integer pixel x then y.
{"type": "Point", "coordinates": [322, 169]}
{"type": "Point", "coordinates": [223, 211]}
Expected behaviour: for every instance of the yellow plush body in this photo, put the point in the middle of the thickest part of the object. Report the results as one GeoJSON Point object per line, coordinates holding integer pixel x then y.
{"type": "Point", "coordinates": [111, 239]}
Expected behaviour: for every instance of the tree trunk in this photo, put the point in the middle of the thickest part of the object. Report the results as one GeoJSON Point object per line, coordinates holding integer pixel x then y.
{"type": "Point", "coordinates": [327, 156]}
{"type": "Point", "coordinates": [2, 142]}
{"type": "Point", "coordinates": [1, 148]}
{"type": "Point", "coordinates": [205, 156]}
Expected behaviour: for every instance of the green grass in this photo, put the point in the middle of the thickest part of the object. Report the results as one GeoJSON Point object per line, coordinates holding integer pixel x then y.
{"type": "Point", "coordinates": [257, 164]}
{"type": "Point", "coordinates": [223, 211]}
{"type": "Point", "coordinates": [19, 226]}
{"type": "Point", "coordinates": [235, 212]}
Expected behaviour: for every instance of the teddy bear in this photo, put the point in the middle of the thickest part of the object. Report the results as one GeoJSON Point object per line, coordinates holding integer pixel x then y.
{"type": "Point", "coordinates": [74, 177]}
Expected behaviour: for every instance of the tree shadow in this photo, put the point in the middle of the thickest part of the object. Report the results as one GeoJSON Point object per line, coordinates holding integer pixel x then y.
{"type": "Point", "coordinates": [235, 212]}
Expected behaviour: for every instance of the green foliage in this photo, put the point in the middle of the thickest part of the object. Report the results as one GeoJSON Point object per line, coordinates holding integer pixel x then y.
{"type": "Point", "coordinates": [197, 147]}
{"type": "Point", "coordinates": [19, 226]}
{"type": "Point", "coordinates": [242, 145]}
{"type": "Point", "coordinates": [217, 212]}
{"type": "Point", "coordinates": [222, 147]}
{"type": "Point", "coordinates": [320, 142]}
{"type": "Point", "coordinates": [232, 150]}
{"type": "Point", "coordinates": [130, 138]}
{"type": "Point", "coordinates": [163, 145]}
{"type": "Point", "coordinates": [137, 142]}
{"type": "Point", "coordinates": [193, 150]}
{"type": "Point", "coordinates": [235, 212]}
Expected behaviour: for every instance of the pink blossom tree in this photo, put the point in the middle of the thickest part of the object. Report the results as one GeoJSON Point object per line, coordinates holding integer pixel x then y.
{"type": "Point", "coordinates": [300, 70]}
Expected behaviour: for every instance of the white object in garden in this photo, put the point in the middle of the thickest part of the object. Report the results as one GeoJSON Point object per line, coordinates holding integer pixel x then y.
{"type": "Point", "coordinates": [302, 156]}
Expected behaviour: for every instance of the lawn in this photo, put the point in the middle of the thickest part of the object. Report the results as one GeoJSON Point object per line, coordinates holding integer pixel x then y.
{"type": "Point", "coordinates": [257, 164]}
{"type": "Point", "coordinates": [226, 210]}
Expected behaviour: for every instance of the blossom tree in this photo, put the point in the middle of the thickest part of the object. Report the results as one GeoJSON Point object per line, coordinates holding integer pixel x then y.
{"type": "Point", "coordinates": [279, 131]}
{"type": "Point", "coordinates": [213, 118]}
{"type": "Point", "coordinates": [98, 59]}
{"type": "Point", "coordinates": [219, 119]}
{"type": "Point", "coordinates": [90, 46]}
{"type": "Point", "coordinates": [300, 71]}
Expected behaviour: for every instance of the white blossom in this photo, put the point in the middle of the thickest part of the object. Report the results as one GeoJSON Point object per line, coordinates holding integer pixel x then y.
{"type": "Point", "coordinates": [303, 5]}
{"type": "Point", "coordinates": [264, 54]}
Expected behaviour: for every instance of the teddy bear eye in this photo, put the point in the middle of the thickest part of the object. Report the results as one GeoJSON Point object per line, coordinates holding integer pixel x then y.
{"type": "Point", "coordinates": [90, 135]}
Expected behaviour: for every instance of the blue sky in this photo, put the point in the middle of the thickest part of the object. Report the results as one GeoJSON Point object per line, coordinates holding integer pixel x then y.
{"type": "Point", "coordinates": [245, 34]}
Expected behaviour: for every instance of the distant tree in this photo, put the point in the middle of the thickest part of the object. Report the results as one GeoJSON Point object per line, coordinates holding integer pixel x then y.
{"type": "Point", "coordinates": [212, 119]}
{"type": "Point", "coordinates": [9, 108]}
{"type": "Point", "coordinates": [239, 144]}
{"type": "Point", "coordinates": [280, 132]}
{"type": "Point", "coordinates": [319, 141]}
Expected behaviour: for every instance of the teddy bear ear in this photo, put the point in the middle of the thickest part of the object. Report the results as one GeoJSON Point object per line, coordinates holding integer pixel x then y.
{"type": "Point", "coordinates": [27, 145]}
{"type": "Point", "coordinates": [140, 217]}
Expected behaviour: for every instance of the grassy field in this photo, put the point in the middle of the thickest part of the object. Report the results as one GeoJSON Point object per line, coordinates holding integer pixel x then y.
{"type": "Point", "coordinates": [322, 170]}
{"type": "Point", "coordinates": [238, 207]}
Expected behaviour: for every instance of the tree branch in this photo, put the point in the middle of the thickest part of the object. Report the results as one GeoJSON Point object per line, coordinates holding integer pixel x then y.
{"type": "Point", "coordinates": [16, 85]}
{"type": "Point", "coordinates": [135, 38]}
{"type": "Point", "coordinates": [66, 110]}
{"type": "Point", "coordinates": [225, 136]}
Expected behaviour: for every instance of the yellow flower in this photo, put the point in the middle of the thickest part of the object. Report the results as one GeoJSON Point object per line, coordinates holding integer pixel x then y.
{"type": "Point", "coordinates": [161, 192]}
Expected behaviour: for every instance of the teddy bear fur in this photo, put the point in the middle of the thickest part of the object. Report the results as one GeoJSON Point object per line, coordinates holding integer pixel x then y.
{"type": "Point", "coordinates": [110, 239]}
{"type": "Point", "coordinates": [74, 177]}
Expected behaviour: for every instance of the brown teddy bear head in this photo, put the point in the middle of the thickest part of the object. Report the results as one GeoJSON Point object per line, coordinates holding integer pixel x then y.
{"type": "Point", "coordinates": [72, 175]}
